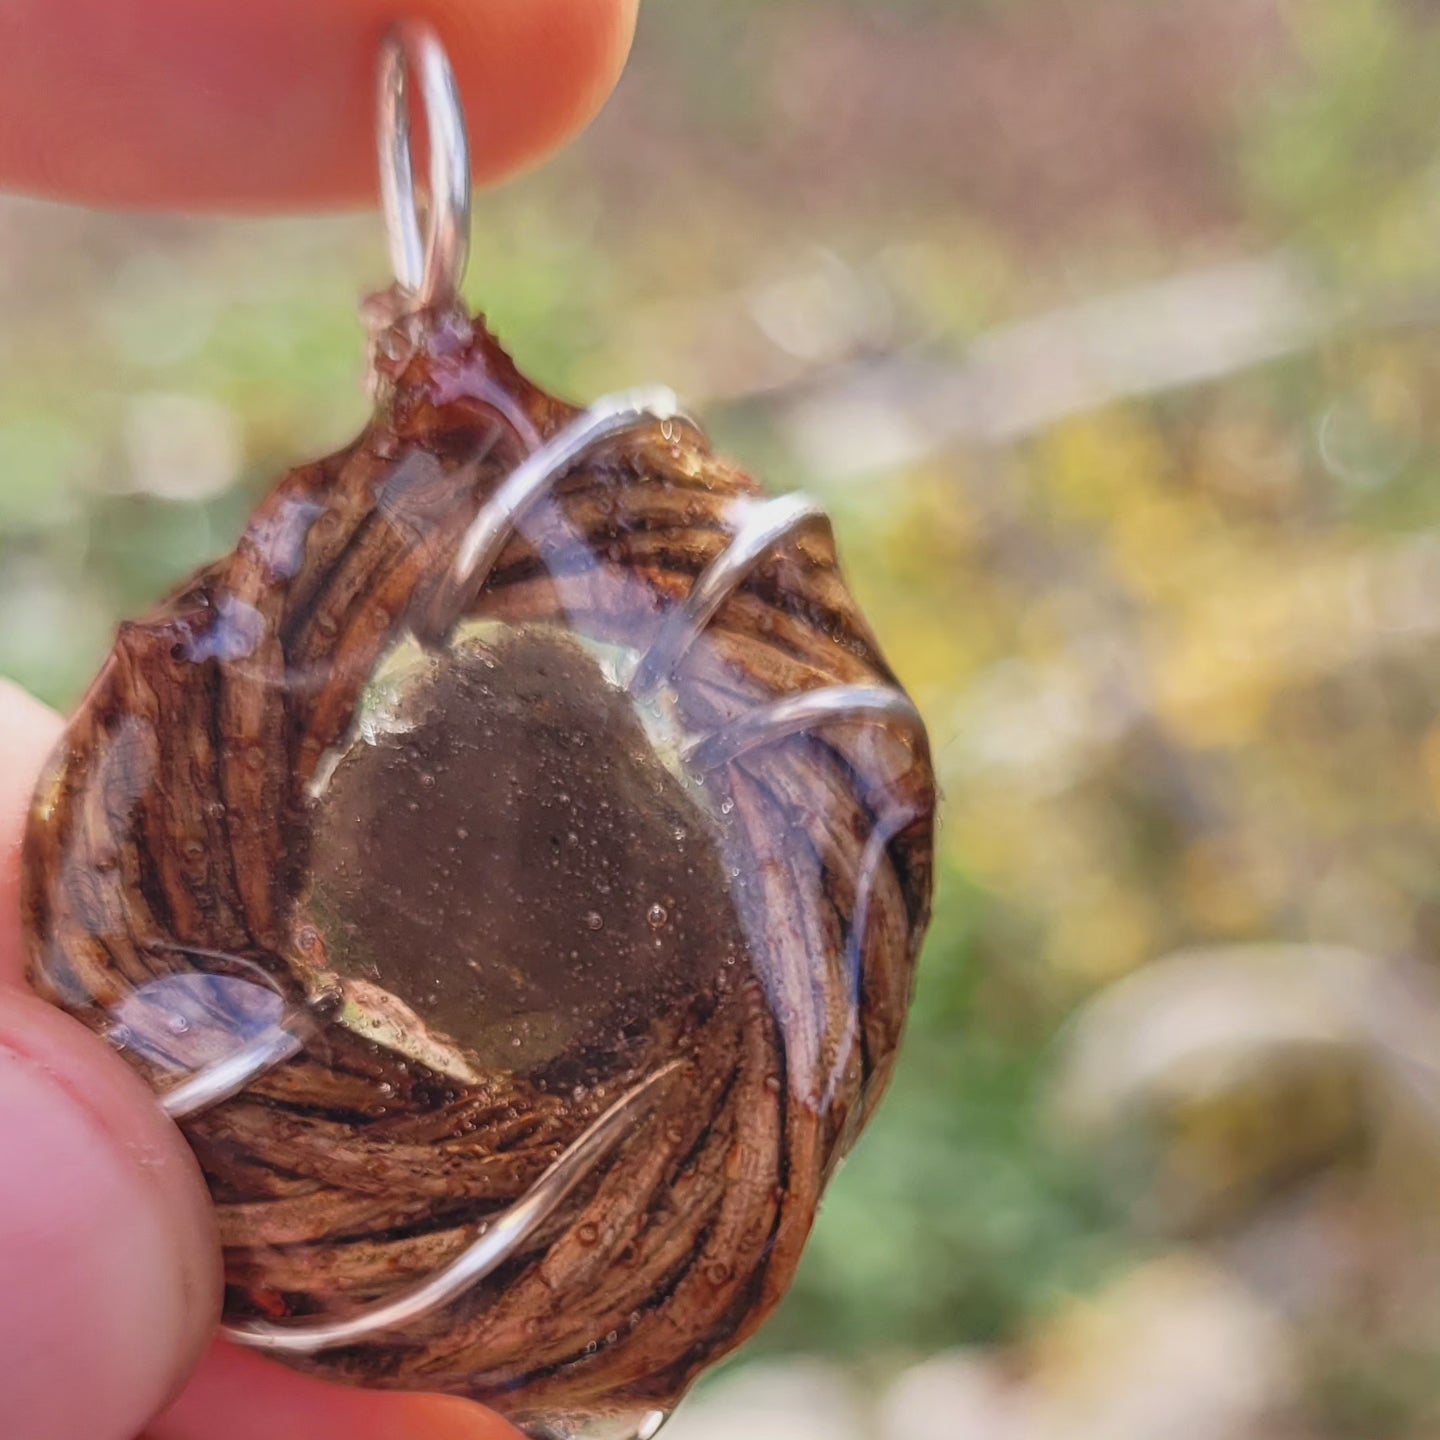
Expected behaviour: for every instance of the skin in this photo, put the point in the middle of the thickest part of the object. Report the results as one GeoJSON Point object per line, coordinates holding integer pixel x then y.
{"type": "Point", "coordinates": [109, 1267]}
{"type": "Point", "coordinates": [263, 105]}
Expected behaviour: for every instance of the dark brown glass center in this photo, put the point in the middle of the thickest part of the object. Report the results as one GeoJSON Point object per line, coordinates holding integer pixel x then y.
{"type": "Point", "coordinates": [518, 866]}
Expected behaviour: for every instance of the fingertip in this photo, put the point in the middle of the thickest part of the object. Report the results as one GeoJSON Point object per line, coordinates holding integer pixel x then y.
{"type": "Point", "coordinates": [268, 105]}
{"type": "Point", "coordinates": [28, 733]}
{"type": "Point", "coordinates": [29, 729]}
{"type": "Point", "coordinates": [109, 1266]}
{"type": "Point", "coordinates": [584, 50]}
{"type": "Point", "coordinates": [237, 1395]}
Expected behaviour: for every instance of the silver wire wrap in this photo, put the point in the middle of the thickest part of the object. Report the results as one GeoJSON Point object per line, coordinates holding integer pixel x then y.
{"type": "Point", "coordinates": [766, 528]}
{"type": "Point", "coordinates": [208, 1087]}
{"type": "Point", "coordinates": [796, 714]}
{"type": "Point", "coordinates": [495, 1240]}
{"type": "Point", "coordinates": [608, 418]}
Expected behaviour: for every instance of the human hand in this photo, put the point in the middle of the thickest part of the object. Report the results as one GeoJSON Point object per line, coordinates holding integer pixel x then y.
{"type": "Point", "coordinates": [109, 1265]}
{"type": "Point", "coordinates": [270, 105]}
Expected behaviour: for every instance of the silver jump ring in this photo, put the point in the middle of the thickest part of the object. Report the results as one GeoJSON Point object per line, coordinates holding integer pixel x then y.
{"type": "Point", "coordinates": [430, 234]}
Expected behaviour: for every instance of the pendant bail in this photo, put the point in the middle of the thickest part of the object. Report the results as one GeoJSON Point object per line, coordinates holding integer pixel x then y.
{"type": "Point", "coordinates": [429, 231]}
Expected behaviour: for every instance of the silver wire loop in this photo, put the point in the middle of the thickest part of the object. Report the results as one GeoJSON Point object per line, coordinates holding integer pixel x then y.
{"type": "Point", "coordinates": [429, 234]}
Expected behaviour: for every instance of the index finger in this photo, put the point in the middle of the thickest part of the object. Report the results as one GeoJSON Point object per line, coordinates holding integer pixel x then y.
{"type": "Point", "coordinates": [28, 732]}
{"type": "Point", "coordinates": [269, 104]}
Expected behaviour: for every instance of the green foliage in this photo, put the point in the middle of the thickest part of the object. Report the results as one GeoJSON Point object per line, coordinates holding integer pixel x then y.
{"type": "Point", "coordinates": [1343, 152]}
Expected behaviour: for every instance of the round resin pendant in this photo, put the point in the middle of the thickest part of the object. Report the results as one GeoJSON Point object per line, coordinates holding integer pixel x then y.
{"type": "Point", "coordinates": [508, 865]}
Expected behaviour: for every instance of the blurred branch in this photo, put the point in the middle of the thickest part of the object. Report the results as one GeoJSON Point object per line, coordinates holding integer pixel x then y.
{"type": "Point", "coordinates": [1198, 326]}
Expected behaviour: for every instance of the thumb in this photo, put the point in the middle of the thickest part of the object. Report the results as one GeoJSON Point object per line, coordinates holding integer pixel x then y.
{"type": "Point", "coordinates": [109, 1269]}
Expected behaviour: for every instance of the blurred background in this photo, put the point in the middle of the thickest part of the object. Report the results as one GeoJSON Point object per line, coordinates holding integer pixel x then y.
{"type": "Point", "coordinates": [1108, 332]}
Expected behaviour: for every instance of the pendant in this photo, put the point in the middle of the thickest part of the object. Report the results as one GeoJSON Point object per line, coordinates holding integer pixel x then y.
{"type": "Point", "coordinates": [508, 866]}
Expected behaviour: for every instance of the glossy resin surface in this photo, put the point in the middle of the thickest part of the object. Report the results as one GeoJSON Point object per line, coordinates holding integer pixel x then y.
{"type": "Point", "coordinates": [509, 865]}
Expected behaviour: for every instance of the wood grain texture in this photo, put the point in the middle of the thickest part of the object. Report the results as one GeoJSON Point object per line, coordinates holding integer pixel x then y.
{"type": "Point", "coordinates": [171, 837]}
